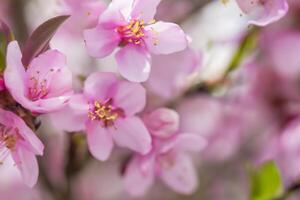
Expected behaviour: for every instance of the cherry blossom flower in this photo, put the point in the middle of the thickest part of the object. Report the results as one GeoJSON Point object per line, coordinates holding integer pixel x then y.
{"type": "Point", "coordinates": [130, 25]}
{"type": "Point", "coordinates": [106, 110]}
{"type": "Point", "coordinates": [44, 86]}
{"type": "Point", "coordinates": [18, 140]}
{"type": "Point", "coordinates": [263, 12]}
{"type": "Point", "coordinates": [167, 160]}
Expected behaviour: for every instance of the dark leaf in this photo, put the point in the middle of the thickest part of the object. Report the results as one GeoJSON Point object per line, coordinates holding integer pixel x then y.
{"type": "Point", "coordinates": [38, 42]}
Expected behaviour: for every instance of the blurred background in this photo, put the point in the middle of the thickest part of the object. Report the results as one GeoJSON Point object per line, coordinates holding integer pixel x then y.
{"type": "Point", "coordinates": [242, 96]}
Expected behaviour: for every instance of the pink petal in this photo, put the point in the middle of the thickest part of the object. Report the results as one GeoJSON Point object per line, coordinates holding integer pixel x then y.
{"type": "Point", "coordinates": [144, 9]}
{"type": "Point", "coordinates": [116, 14]}
{"type": "Point", "coordinates": [9, 119]}
{"type": "Point", "coordinates": [100, 86]}
{"type": "Point", "coordinates": [162, 122]}
{"type": "Point", "coordinates": [165, 38]}
{"type": "Point", "coordinates": [61, 83]}
{"type": "Point", "coordinates": [51, 59]}
{"type": "Point", "coordinates": [84, 14]}
{"type": "Point", "coordinates": [262, 14]}
{"type": "Point", "coordinates": [181, 176]}
{"type": "Point", "coordinates": [134, 63]}
{"type": "Point", "coordinates": [101, 42]}
{"type": "Point", "coordinates": [27, 164]}
{"type": "Point", "coordinates": [99, 141]}
{"type": "Point", "coordinates": [139, 175]}
{"type": "Point", "coordinates": [14, 74]}
{"type": "Point", "coordinates": [185, 142]}
{"type": "Point", "coordinates": [283, 52]}
{"type": "Point", "coordinates": [169, 73]}
{"type": "Point", "coordinates": [131, 97]}
{"type": "Point", "coordinates": [48, 105]}
{"type": "Point", "coordinates": [74, 116]}
{"type": "Point", "coordinates": [132, 133]}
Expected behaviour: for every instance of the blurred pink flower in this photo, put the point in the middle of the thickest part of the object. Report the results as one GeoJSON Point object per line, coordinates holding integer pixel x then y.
{"type": "Point", "coordinates": [162, 122]}
{"type": "Point", "coordinates": [169, 74]}
{"type": "Point", "coordinates": [44, 86]}
{"type": "Point", "coordinates": [263, 12]}
{"type": "Point", "coordinates": [225, 124]}
{"type": "Point", "coordinates": [106, 110]}
{"type": "Point", "coordinates": [168, 160]}
{"type": "Point", "coordinates": [284, 148]}
{"type": "Point", "coordinates": [130, 25]}
{"type": "Point", "coordinates": [84, 14]}
{"type": "Point", "coordinates": [18, 140]}
{"type": "Point", "coordinates": [282, 53]}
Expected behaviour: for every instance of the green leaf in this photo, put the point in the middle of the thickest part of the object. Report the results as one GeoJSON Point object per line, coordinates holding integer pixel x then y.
{"type": "Point", "coordinates": [266, 182]}
{"type": "Point", "coordinates": [38, 42]}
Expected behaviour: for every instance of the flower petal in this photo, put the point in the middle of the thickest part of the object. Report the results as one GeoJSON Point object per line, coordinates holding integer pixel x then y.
{"type": "Point", "coordinates": [181, 176]}
{"type": "Point", "coordinates": [27, 164]}
{"type": "Point", "coordinates": [169, 73]}
{"type": "Point", "coordinates": [73, 116]}
{"type": "Point", "coordinates": [144, 9]}
{"type": "Point", "coordinates": [165, 38]}
{"type": "Point", "coordinates": [263, 13]}
{"type": "Point", "coordinates": [116, 13]}
{"type": "Point", "coordinates": [134, 63]}
{"type": "Point", "coordinates": [185, 142]}
{"type": "Point", "coordinates": [100, 42]}
{"type": "Point", "coordinates": [162, 122]}
{"type": "Point", "coordinates": [139, 175]}
{"type": "Point", "coordinates": [14, 74]}
{"type": "Point", "coordinates": [131, 97]}
{"type": "Point", "coordinates": [100, 86]}
{"type": "Point", "coordinates": [132, 133]}
{"type": "Point", "coordinates": [99, 141]}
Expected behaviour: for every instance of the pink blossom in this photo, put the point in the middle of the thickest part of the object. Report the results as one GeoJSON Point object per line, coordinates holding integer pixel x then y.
{"type": "Point", "coordinates": [162, 122]}
{"type": "Point", "coordinates": [18, 140]}
{"type": "Point", "coordinates": [170, 73]}
{"type": "Point", "coordinates": [130, 25]}
{"type": "Point", "coordinates": [107, 110]}
{"type": "Point", "coordinates": [44, 86]}
{"type": "Point", "coordinates": [263, 12]}
{"type": "Point", "coordinates": [84, 14]}
{"type": "Point", "coordinates": [168, 160]}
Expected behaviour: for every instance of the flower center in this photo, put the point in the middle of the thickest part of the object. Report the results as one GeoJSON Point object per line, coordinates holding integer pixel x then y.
{"type": "Point", "coordinates": [133, 32]}
{"type": "Point", "coordinates": [105, 112]}
{"type": "Point", "coordinates": [39, 83]}
{"type": "Point", "coordinates": [38, 89]}
{"type": "Point", "coordinates": [167, 160]}
{"type": "Point", "coordinates": [8, 141]}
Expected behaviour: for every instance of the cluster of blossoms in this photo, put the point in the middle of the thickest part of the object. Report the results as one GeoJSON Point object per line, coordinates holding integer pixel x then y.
{"type": "Point", "coordinates": [114, 109]}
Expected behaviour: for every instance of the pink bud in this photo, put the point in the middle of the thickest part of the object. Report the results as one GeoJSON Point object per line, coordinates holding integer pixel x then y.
{"type": "Point", "coordinates": [162, 122]}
